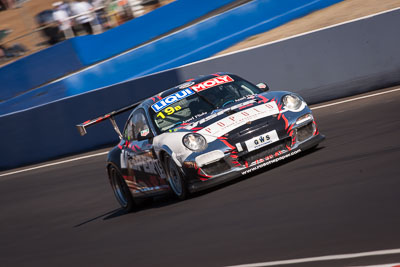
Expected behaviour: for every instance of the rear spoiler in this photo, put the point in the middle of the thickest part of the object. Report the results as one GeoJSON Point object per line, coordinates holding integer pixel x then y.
{"type": "Point", "coordinates": [82, 126]}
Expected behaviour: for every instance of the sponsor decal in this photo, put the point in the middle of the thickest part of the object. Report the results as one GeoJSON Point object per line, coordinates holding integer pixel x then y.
{"type": "Point", "coordinates": [239, 147]}
{"type": "Point", "coordinates": [165, 102]}
{"type": "Point", "coordinates": [261, 141]}
{"type": "Point", "coordinates": [211, 83]}
{"type": "Point", "coordinates": [262, 163]}
{"type": "Point", "coordinates": [146, 189]}
{"type": "Point", "coordinates": [193, 118]}
{"type": "Point", "coordinates": [214, 115]}
{"type": "Point", "coordinates": [185, 85]}
{"type": "Point", "coordinates": [238, 119]}
{"type": "Point", "coordinates": [144, 132]}
{"type": "Point", "coordinates": [142, 163]}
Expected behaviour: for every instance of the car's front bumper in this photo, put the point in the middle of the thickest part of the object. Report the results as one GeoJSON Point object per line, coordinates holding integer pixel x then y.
{"type": "Point", "coordinates": [243, 168]}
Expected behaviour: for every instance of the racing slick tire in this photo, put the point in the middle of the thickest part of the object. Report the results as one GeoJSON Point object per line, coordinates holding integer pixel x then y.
{"type": "Point", "coordinates": [121, 190]}
{"type": "Point", "coordinates": [176, 179]}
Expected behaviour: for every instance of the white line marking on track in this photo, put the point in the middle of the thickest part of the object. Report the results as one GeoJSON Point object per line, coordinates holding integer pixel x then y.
{"type": "Point", "coordinates": [104, 153]}
{"type": "Point", "coordinates": [322, 258]}
{"type": "Point", "coordinates": [55, 163]}
{"type": "Point", "coordinates": [356, 98]}
{"type": "Point", "coordinates": [382, 265]}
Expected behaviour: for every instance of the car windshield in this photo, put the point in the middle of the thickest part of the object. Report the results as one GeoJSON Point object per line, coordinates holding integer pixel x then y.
{"type": "Point", "coordinates": [195, 101]}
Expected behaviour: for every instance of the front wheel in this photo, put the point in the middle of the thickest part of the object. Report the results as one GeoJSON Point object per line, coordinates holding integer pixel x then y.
{"type": "Point", "coordinates": [176, 179]}
{"type": "Point", "coordinates": [121, 190]}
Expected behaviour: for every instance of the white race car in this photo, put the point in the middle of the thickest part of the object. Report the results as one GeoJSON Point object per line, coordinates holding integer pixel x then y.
{"type": "Point", "coordinates": [204, 132]}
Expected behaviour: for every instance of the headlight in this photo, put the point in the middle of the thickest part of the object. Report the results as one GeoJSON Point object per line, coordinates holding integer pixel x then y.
{"type": "Point", "coordinates": [194, 141]}
{"type": "Point", "coordinates": [292, 102]}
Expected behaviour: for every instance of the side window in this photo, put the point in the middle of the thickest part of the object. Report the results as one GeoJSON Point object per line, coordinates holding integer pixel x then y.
{"type": "Point", "coordinates": [128, 132]}
{"type": "Point", "coordinates": [139, 125]}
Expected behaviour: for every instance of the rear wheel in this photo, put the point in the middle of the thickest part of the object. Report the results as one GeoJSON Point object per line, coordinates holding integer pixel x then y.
{"type": "Point", "coordinates": [121, 190]}
{"type": "Point", "coordinates": [176, 179]}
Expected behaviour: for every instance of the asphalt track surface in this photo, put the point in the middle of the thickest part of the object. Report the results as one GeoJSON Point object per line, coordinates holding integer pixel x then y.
{"type": "Point", "coordinates": [341, 198]}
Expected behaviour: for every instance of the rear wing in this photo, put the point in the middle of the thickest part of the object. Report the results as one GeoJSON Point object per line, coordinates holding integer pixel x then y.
{"type": "Point", "coordinates": [82, 126]}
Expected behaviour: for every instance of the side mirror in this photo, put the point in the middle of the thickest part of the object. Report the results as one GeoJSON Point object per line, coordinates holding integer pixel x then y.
{"type": "Point", "coordinates": [145, 134]}
{"type": "Point", "coordinates": [263, 86]}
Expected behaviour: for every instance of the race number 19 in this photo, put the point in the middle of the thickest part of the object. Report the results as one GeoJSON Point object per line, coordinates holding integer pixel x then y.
{"type": "Point", "coordinates": [168, 111]}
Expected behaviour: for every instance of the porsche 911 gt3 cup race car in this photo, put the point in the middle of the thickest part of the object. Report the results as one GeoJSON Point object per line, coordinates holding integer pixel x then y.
{"type": "Point", "coordinates": [204, 132]}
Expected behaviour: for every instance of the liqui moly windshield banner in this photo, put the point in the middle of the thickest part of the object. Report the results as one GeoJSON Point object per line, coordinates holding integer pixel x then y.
{"type": "Point", "coordinates": [165, 102]}
{"type": "Point", "coordinates": [211, 83]}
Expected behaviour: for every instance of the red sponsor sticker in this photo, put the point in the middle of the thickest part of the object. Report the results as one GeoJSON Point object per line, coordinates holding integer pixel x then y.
{"type": "Point", "coordinates": [211, 83]}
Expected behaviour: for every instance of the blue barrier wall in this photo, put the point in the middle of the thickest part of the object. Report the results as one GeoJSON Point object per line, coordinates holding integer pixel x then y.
{"type": "Point", "coordinates": [93, 48]}
{"type": "Point", "coordinates": [335, 62]}
{"type": "Point", "coordinates": [33, 70]}
{"type": "Point", "coordinates": [75, 53]}
{"type": "Point", "coordinates": [35, 135]}
{"type": "Point", "coordinates": [193, 43]}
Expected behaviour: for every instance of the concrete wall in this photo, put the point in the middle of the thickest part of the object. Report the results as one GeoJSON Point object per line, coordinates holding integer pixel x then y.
{"type": "Point", "coordinates": [323, 65]}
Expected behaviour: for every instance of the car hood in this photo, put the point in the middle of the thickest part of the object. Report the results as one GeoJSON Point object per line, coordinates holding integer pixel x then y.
{"type": "Point", "coordinates": [247, 114]}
